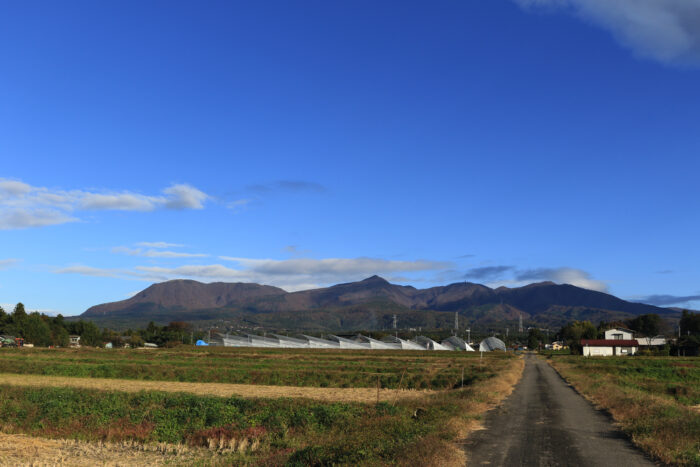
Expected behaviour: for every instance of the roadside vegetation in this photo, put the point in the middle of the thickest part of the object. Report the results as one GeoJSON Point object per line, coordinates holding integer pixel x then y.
{"type": "Point", "coordinates": [656, 400]}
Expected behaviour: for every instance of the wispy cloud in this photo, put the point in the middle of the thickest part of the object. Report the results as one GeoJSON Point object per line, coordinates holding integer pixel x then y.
{"type": "Point", "coordinates": [24, 206]}
{"type": "Point", "coordinates": [238, 204]}
{"type": "Point", "coordinates": [291, 274]}
{"type": "Point", "coordinates": [153, 253]}
{"type": "Point", "coordinates": [297, 186]}
{"type": "Point", "coordinates": [295, 251]}
{"type": "Point", "coordinates": [8, 263]}
{"type": "Point", "coordinates": [91, 271]}
{"type": "Point", "coordinates": [666, 300]}
{"type": "Point", "coordinates": [159, 245]}
{"type": "Point", "coordinates": [667, 31]}
{"type": "Point", "coordinates": [487, 273]}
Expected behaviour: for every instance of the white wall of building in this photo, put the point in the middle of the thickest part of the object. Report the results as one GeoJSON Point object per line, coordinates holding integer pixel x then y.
{"type": "Point", "coordinates": [618, 333]}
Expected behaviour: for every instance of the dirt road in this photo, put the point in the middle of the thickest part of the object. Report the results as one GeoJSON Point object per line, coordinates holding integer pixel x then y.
{"type": "Point", "coordinates": [544, 422]}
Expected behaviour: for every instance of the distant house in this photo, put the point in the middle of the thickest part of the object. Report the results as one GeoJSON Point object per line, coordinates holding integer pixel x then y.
{"type": "Point", "coordinates": [74, 341]}
{"type": "Point", "coordinates": [609, 347]}
{"type": "Point", "coordinates": [558, 345]}
{"type": "Point", "coordinates": [619, 334]}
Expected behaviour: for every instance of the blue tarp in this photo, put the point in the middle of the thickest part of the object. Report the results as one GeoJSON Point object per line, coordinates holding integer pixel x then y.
{"type": "Point", "coordinates": [201, 342]}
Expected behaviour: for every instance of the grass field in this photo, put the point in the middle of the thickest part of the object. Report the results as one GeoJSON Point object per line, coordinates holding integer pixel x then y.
{"type": "Point", "coordinates": [656, 400]}
{"type": "Point", "coordinates": [405, 427]}
{"type": "Point", "coordinates": [281, 367]}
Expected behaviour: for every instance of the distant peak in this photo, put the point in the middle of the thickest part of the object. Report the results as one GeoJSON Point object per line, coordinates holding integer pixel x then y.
{"type": "Point", "coordinates": [540, 284]}
{"type": "Point", "coordinates": [376, 279]}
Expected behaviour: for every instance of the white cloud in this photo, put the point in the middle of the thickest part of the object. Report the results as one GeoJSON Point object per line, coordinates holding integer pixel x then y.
{"type": "Point", "coordinates": [664, 30]}
{"type": "Point", "coordinates": [21, 219]}
{"type": "Point", "coordinates": [25, 206]}
{"type": "Point", "coordinates": [119, 202]}
{"type": "Point", "coordinates": [13, 188]}
{"type": "Point", "coordinates": [292, 274]}
{"type": "Point", "coordinates": [171, 254]}
{"type": "Point", "coordinates": [185, 197]}
{"type": "Point", "coordinates": [562, 275]}
{"type": "Point", "coordinates": [125, 250]}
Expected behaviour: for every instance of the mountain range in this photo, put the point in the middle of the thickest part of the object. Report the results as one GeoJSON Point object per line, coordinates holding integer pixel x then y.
{"type": "Point", "coordinates": [368, 304]}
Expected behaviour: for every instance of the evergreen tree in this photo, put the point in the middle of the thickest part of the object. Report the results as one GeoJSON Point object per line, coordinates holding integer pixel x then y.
{"type": "Point", "coordinates": [19, 320]}
{"type": "Point", "coordinates": [36, 330]}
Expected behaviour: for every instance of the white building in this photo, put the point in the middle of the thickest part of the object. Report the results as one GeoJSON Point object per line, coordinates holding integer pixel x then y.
{"type": "Point", "coordinates": [619, 334]}
{"type": "Point", "coordinates": [609, 347]}
{"type": "Point", "coordinates": [656, 341]}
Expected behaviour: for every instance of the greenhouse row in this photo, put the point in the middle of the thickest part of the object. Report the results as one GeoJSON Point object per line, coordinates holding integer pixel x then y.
{"type": "Point", "coordinates": [357, 342]}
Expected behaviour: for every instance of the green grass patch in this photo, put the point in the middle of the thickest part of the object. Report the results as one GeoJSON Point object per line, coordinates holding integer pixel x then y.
{"type": "Point", "coordinates": [279, 367]}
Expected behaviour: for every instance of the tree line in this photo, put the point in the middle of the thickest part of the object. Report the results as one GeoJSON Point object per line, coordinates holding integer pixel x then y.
{"type": "Point", "coordinates": [42, 330]}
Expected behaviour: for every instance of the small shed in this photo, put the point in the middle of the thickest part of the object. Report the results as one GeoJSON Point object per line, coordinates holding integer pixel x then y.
{"type": "Point", "coordinates": [656, 341]}
{"type": "Point", "coordinates": [74, 341]}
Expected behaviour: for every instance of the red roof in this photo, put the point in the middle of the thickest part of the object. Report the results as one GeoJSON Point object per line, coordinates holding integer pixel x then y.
{"type": "Point", "coordinates": [609, 343]}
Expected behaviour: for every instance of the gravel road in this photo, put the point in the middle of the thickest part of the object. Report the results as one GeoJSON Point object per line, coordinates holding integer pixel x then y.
{"type": "Point", "coordinates": [544, 422]}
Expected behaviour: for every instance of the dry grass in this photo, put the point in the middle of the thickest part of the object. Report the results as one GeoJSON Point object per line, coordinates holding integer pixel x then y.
{"type": "Point", "coordinates": [663, 427]}
{"type": "Point", "coordinates": [491, 393]}
{"type": "Point", "coordinates": [38, 452]}
{"type": "Point", "coordinates": [478, 399]}
{"type": "Point", "coordinates": [362, 395]}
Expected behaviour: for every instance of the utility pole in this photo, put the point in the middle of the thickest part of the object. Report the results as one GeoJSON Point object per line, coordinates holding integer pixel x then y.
{"type": "Point", "coordinates": [520, 324]}
{"type": "Point", "coordinates": [456, 322]}
{"type": "Point", "coordinates": [469, 335]}
{"type": "Point", "coordinates": [396, 333]}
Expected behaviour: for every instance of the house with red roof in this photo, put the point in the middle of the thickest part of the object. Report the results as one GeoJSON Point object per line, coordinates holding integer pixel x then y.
{"type": "Point", "coordinates": [618, 341]}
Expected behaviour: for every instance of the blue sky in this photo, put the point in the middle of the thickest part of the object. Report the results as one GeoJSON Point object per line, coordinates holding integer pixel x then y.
{"type": "Point", "coordinates": [303, 144]}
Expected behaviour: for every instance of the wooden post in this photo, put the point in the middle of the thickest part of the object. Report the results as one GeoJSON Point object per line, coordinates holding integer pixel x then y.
{"type": "Point", "coordinates": [398, 388]}
{"type": "Point", "coordinates": [377, 389]}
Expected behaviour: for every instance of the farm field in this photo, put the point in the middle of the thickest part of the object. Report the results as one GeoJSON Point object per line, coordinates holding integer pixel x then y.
{"type": "Point", "coordinates": [280, 367]}
{"type": "Point", "coordinates": [145, 412]}
{"type": "Point", "coordinates": [656, 400]}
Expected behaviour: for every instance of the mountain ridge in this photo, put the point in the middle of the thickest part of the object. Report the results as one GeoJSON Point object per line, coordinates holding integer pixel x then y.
{"type": "Point", "coordinates": [369, 303]}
